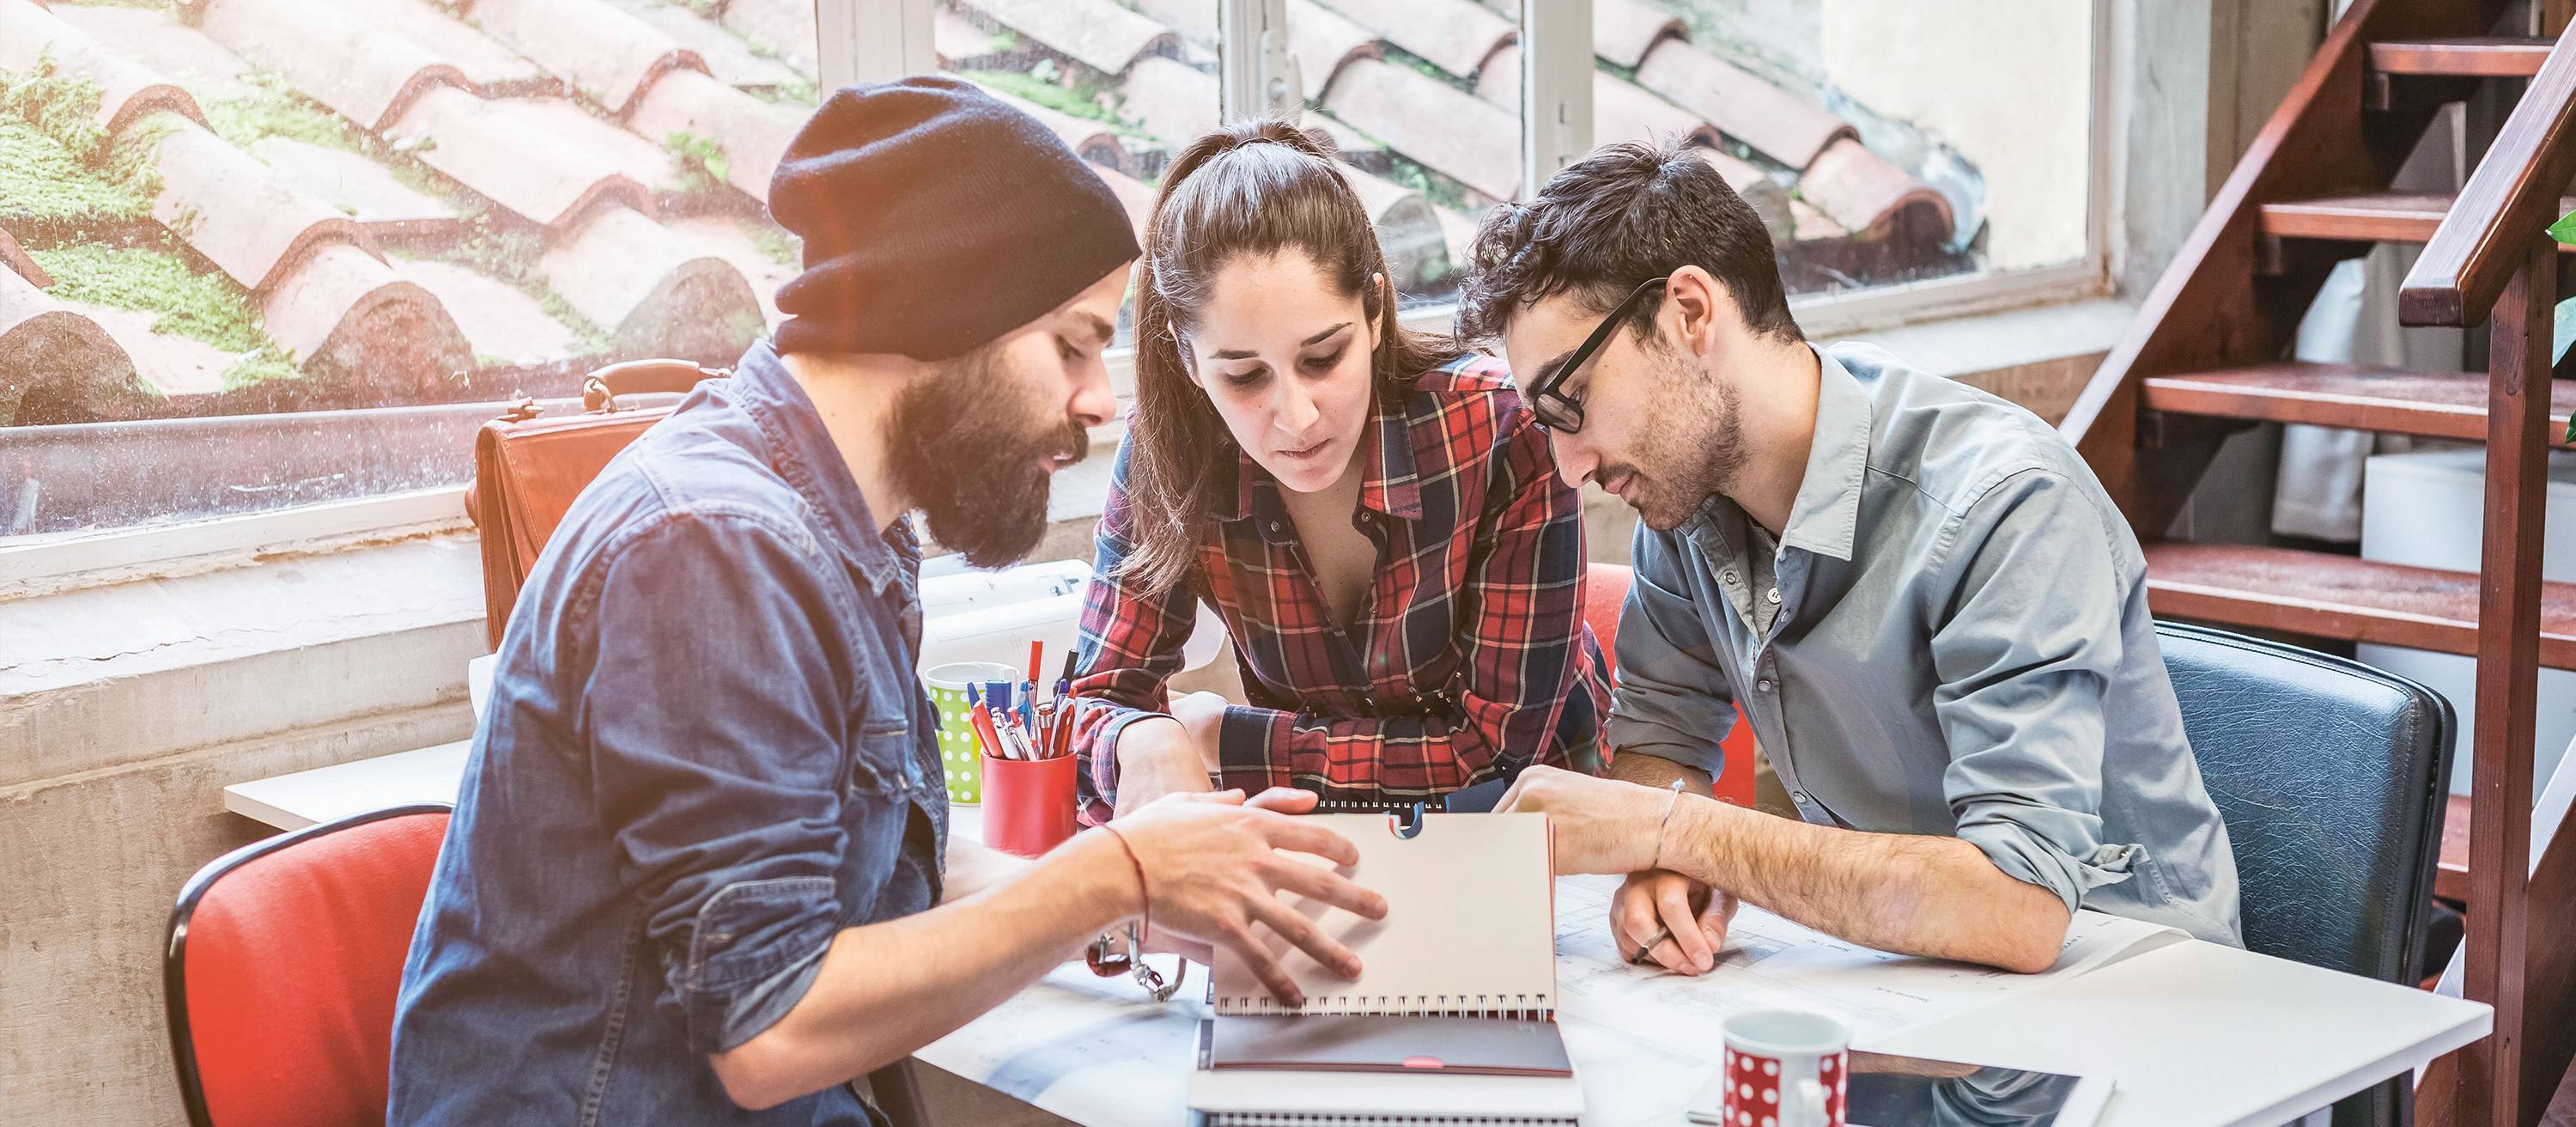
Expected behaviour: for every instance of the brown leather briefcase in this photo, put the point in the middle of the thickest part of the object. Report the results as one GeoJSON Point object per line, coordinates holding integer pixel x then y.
{"type": "Point", "coordinates": [528, 468]}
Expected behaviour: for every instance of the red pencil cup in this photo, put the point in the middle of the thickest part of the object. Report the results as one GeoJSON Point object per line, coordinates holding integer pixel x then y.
{"type": "Point", "coordinates": [1028, 804]}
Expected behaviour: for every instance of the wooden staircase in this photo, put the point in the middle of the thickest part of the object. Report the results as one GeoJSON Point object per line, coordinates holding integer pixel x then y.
{"type": "Point", "coordinates": [2205, 359]}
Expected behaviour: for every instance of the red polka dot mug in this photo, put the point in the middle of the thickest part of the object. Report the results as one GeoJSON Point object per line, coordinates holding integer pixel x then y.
{"type": "Point", "coordinates": [1784, 1068]}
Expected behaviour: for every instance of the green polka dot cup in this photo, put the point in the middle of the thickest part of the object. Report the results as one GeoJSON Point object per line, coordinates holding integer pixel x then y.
{"type": "Point", "coordinates": [959, 756]}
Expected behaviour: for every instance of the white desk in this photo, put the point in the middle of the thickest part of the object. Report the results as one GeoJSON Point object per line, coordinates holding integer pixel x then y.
{"type": "Point", "coordinates": [2192, 1034]}
{"type": "Point", "coordinates": [292, 802]}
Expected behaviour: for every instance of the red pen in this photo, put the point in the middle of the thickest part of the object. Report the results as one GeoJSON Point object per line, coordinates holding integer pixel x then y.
{"type": "Point", "coordinates": [985, 733]}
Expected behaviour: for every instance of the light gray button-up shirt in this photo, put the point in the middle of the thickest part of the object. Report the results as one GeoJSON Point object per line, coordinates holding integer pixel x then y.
{"type": "Point", "coordinates": [1961, 647]}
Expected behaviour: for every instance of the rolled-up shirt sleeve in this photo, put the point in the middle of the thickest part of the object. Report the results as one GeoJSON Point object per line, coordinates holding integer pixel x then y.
{"type": "Point", "coordinates": [1672, 700]}
{"type": "Point", "coordinates": [2024, 648]}
{"type": "Point", "coordinates": [727, 819]}
{"type": "Point", "coordinates": [1130, 645]}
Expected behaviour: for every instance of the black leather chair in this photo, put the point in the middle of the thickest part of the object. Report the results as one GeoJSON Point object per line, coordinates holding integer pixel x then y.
{"type": "Point", "coordinates": [2332, 778]}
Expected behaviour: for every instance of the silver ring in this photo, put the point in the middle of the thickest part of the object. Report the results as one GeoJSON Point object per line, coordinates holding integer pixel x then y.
{"type": "Point", "coordinates": [1646, 948]}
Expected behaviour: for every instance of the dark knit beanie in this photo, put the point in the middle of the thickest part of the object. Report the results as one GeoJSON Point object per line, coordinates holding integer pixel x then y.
{"type": "Point", "coordinates": [935, 219]}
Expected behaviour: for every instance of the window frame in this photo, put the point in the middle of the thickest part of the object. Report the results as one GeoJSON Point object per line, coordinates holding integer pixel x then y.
{"type": "Point", "coordinates": [862, 40]}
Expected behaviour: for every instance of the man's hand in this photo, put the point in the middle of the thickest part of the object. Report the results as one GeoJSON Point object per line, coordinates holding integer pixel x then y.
{"type": "Point", "coordinates": [1213, 868]}
{"type": "Point", "coordinates": [1660, 900]}
{"type": "Point", "coordinates": [1601, 825]}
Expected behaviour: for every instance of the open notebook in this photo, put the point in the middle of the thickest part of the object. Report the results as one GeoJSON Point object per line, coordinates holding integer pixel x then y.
{"type": "Point", "coordinates": [1453, 1017]}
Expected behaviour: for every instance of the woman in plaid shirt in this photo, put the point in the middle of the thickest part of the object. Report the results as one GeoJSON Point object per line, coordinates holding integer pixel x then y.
{"type": "Point", "coordinates": [1369, 508]}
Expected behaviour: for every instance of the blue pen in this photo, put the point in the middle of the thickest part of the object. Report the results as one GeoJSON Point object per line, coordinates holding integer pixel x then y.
{"type": "Point", "coordinates": [998, 694]}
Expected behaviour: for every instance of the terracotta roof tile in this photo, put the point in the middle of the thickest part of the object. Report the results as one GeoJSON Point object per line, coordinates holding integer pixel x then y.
{"type": "Point", "coordinates": [1458, 229]}
{"type": "Point", "coordinates": [1624, 30]}
{"type": "Point", "coordinates": [154, 37]}
{"type": "Point", "coordinates": [728, 56]}
{"type": "Point", "coordinates": [1354, 145]}
{"type": "Point", "coordinates": [367, 74]}
{"type": "Point", "coordinates": [753, 134]}
{"type": "Point", "coordinates": [1324, 43]}
{"type": "Point", "coordinates": [351, 321]}
{"type": "Point", "coordinates": [1458, 36]}
{"type": "Point", "coordinates": [494, 151]}
{"type": "Point", "coordinates": [1408, 230]}
{"type": "Point", "coordinates": [1133, 194]}
{"type": "Point", "coordinates": [1782, 125]}
{"type": "Point", "coordinates": [232, 209]}
{"type": "Point", "coordinates": [653, 291]}
{"type": "Point", "coordinates": [1170, 99]}
{"type": "Point", "coordinates": [128, 89]}
{"type": "Point", "coordinates": [498, 319]}
{"type": "Point", "coordinates": [610, 56]}
{"type": "Point", "coordinates": [786, 27]}
{"type": "Point", "coordinates": [1093, 141]}
{"type": "Point", "coordinates": [1456, 133]}
{"type": "Point", "coordinates": [16, 260]}
{"type": "Point", "coordinates": [732, 239]}
{"type": "Point", "coordinates": [1863, 191]}
{"type": "Point", "coordinates": [954, 37]}
{"type": "Point", "coordinates": [1099, 34]}
{"type": "Point", "coordinates": [56, 359]}
{"type": "Point", "coordinates": [1812, 224]}
{"type": "Point", "coordinates": [1621, 110]}
{"type": "Point", "coordinates": [174, 366]}
{"type": "Point", "coordinates": [485, 61]}
{"type": "Point", "coordinates": [597, 142]}
{"type": "Point", "coordinates": [1193, 19]}
{"type": "Point", "coordinates": [1764, 195]}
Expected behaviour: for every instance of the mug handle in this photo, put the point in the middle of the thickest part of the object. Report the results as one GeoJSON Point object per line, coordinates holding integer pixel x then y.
{"type": "Point", "coordinates": [1811, 1100]}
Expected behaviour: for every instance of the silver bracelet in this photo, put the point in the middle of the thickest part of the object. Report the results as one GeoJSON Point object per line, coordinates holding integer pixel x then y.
{"type": "Point", "coordinates": [1669, 806]}
{"type": "Point", "coordinates": [1146, 975]}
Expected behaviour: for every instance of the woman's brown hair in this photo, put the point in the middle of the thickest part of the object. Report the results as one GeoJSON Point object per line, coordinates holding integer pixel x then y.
{"type": "Point", "coordinates": [1256, 188]}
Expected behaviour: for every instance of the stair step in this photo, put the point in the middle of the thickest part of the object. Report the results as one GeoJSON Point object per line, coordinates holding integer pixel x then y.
{"type": "Point", "coordinates": [2479, 56]}
{"type": "Point", "coordinates": [2451, 876]}
{"type": "Point", "coordinates": [2432, 404]}
{"type": "Point", "coordinates": [2346, 598]}
{"type": "Point", "coordinates": [2395, 217]}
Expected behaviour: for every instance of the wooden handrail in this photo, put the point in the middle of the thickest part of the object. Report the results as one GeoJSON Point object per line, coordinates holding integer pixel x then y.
{"type": "Point", "coordinates": [2511, 197]}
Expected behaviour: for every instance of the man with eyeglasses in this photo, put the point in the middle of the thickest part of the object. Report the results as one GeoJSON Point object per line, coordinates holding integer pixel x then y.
{"type": "Point", "coordinates": [1932, 614]}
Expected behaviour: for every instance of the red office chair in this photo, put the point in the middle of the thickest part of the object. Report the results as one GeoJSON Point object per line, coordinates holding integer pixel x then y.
{"type": "Point", "coordinates": [1605, 591]}
{"type": "Point", "coordinates": [284, 959]}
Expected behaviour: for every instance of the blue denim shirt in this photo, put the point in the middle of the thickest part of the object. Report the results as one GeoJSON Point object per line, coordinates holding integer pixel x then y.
{"type": "Point", "coordinates": [706, 754]}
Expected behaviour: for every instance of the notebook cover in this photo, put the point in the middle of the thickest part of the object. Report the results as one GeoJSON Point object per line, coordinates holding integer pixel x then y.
{"type": "Point", "coordinates": [1481, 1046]}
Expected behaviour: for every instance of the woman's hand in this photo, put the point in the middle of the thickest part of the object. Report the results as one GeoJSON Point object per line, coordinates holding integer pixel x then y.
{"type": "Point", "coordinates": [1156, 757]}
{"type": "Point", "coordinates": [1601, 825]}
{"type": "Point", "coordinates": [1213, 868]}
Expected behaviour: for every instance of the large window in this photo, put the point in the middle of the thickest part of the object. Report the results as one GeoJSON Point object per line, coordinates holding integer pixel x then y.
{"type": "Point", "coordinates": [262, 255]}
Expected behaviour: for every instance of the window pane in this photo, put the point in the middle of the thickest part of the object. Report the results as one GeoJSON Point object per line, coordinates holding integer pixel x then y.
{"type": "Point", "coordinates": [1423, 98]}
{"type": "Point", "coordinates": [276, 252]}
{"type": "Point", "coordinates": [1882, 141]}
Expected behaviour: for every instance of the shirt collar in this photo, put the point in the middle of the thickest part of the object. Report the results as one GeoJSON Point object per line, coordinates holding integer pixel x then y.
{"type": "Point", "coordinates": [1391, 484]}
{"type": "Point", "coordinates": [803, 453]}
{"type": "Point", "coordinates": [1825, 519]}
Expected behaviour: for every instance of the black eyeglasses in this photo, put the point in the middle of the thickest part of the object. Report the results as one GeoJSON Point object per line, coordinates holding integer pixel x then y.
{"type": "Point", "coordinates": [1551, 408]}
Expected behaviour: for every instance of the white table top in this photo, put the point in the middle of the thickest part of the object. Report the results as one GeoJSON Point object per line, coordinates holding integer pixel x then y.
{"type": "Point", "coordinates": [2194, 1033]}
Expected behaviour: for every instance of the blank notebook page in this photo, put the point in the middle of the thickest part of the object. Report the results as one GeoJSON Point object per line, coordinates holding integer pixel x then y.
{"type": "Point", "coordinates": [1470, 926]}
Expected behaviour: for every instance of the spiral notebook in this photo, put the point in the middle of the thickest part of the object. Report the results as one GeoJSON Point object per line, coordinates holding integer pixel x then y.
{"type": "Point", "coordinates": [1453, 1017]}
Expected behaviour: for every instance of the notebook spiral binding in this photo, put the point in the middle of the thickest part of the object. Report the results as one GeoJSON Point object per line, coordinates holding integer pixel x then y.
{"type": "Point", "coordinates": [1511, 1007]}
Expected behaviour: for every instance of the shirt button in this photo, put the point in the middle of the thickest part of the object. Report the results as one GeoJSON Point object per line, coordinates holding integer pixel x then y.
{"type": "Point", "coordinates": [1276, 528]}
{"type": "Point", "coordinates": [1763, 684]}
{"type": "Point", "coordinates": [1773, 595]}
{"type": "Point", "coordinates": [1729, 576]}
{"type": "Point", "coordinates": [1798, 795]}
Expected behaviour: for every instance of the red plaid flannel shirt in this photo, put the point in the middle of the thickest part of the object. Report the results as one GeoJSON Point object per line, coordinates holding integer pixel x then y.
{"type": "Point", "coordinates": [1470, 658]}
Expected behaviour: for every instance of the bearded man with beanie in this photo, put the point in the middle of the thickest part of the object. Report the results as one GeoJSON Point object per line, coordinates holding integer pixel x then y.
{"type": "Point", "coordinates": [700, 869]}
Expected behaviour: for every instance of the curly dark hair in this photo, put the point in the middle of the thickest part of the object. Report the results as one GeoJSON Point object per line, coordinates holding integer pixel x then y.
{"type": "Point", "coordinates": [1624, 214]}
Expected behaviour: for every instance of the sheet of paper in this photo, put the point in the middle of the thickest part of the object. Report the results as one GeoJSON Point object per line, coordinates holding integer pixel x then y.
{"type": "Point", "coordinates": [1645, 1038]}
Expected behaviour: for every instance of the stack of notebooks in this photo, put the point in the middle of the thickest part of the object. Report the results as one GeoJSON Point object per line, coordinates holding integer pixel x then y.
{"type": "Point", "coordinates": [1453, 1019]}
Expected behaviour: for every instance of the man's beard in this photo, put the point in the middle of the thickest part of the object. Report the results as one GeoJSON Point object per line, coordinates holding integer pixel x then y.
{"type": "Point", "coordinates": [966, 448]}
{"type": "Point", "coordinates": [1697, 457]}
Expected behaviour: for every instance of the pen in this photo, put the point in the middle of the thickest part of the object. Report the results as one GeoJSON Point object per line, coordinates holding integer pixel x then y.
{"type": "Point", "coordinates": [1064, 680]}
{"type": "Point", "coordinates": [1029, 689]}
{"type": "Point", "coordinates": [985, 736]}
